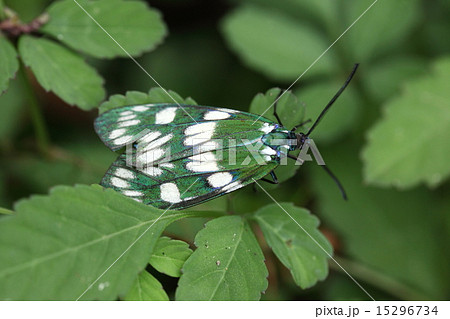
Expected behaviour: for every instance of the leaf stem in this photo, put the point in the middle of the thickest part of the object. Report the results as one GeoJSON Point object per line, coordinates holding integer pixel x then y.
{"type": "Point", "coordinates": [37, 118]}
{"type": "Point", "coordinates": [378, 280]}
{"type": "Point", "coordinates": [5, 211]}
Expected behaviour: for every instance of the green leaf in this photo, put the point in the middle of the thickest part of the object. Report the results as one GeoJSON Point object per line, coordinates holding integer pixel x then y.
{"type": "Point", "coordinates": [155, 95]}
{"type": "Point", "coordinates": [306, 258]}
{"type": "Point", "coordinates": [289, 109]}
{"type": "Point", "coordinates": [169, 256]}
{"type": "Point", "coordinates": [341, 117]}
{"type": "Point", "coordinates": [275, 44]}
{"type": "Point", "coordinates": [146, 288]}
{"type": "Point", "coordinates": [8, 63]}
{"type": "Point", "coordinates": [380, 29]}
{"type": "Point", "coordinates": [132, 25]}
{"type": "Point", "coordinates": [400, 234]}
{"type": "Point", "coordinates": [56, 246]}
{"type": "Point", "coordinates": [227, 265]}
{"type": "Point", "coordinates": [59, 70]}
{"type": "Point", "coordinates": [387, 77]}
{"type": "Point", "coordinates": [291, 113]}
{"type": "Point", "coordinates": [409, 144]}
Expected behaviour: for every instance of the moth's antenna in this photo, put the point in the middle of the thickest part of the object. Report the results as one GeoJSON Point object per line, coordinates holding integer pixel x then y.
{"type": "Point", "coordinates": [333, 177]}
{"type": "Point", "coordinates": [336, 180]}
{"type": "Point", "coordinates": [333, 99]}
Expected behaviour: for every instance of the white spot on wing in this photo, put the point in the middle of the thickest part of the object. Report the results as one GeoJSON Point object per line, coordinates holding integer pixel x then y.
{"type": "Point", "coordinates": [129, 123]}
{"type": "Point", "coordinates": [159, 142]}
{"type": "Point", "coordinates": [166, 115]}
{"type": "Point", "coordinates": [123, 140]}
{"type": "Point", "coordinates": [216, 115]}
{"type": "Point", "coordinates": [205, 147]}
{"type": "Point", "coordinates": [232, 186]}
{"type": "Point", "coordinates": [152, 171]}
{"type": "Point", "coordinates": [204, 162]}
{"type": "Point", "coordinates": [170, 193]}
{"type": "Point", "coordinates": [127, 117]}
{"type": "Point", "coordinates": [267, 128]}
{"type": "Point", "coordinates": [203, 157]}
{"type": "Point", "coordinates": [268, 151]}
{"type": "Point", "coordinates": [124, 173]}
{"type": "Point", "coordinates": [202, 166]}
{"type": "Point", "coordinates": [200, 128]}
{"type": "Point", "coordinates": [140, 108]}
{"type": "Point", "coordinates": [118, 182]}
{"type": "Point", "coordinates": [227, 110]}
{"type": "Point", "coordinates": [220, 179]}
{"type": "Point", "coordinates": [149, 137]}
{"type": "Point", "coordinates": [150, 156]}
{"type": "Point", "coordinates": [167, 165]}
{"type": "Point", "coordinates": [116, 133]}
{"type": "Point", "coordinates": [132, 193]}
{"type": "Point", "coordinates": [125, 113]}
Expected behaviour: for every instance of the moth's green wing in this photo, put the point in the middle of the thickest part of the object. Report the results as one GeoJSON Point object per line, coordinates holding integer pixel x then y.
{"type": "Point", "coordinates": [178, 160]}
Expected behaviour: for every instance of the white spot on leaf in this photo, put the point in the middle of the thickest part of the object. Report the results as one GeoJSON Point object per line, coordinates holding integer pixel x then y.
{"type": "Point", "coordinates": [103, 285]}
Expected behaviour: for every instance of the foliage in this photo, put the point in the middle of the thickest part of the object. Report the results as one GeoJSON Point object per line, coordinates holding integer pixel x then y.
{"type": "Point", "coordinates": [59, 69]}
{"type": "Point", "coordinates": [416, 124]}
{"type": "Point", "coordinates": [385, 139]}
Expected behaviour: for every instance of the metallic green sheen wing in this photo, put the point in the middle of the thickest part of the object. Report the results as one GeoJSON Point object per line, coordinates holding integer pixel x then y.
{"type": "Point", "coordinates": [180, 160]}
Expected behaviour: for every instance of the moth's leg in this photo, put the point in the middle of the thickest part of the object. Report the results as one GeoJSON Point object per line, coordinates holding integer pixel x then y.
{"type": "Point", "coordinates": [274, 181]}
{"type": "Point", "coordinates": [274, 178]}
{"type": "Point", "coordinates": [275, 109]}
{"type": "Point", "coordinates": [300, 125]}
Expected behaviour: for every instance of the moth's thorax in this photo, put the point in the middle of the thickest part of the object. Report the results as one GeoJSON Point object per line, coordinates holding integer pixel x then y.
{"type": "Point", "coordinates": [284, 141]}
{"type": "Point", "coordinates": [281, 140]}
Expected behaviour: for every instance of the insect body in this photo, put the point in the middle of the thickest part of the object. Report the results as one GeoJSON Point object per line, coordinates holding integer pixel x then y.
{"type": "Point", "coordinates": [183, 155]}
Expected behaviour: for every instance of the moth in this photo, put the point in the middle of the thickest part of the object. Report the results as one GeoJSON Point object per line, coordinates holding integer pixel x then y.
{"type": "Point", "coordinates": [179, 156]}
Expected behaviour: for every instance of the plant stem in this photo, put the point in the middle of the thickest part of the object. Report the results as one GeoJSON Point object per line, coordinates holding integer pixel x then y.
{"type": "Point", "coordinates": [37, 118]}
{"type": "Point", "coordinates": [378, 280]}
